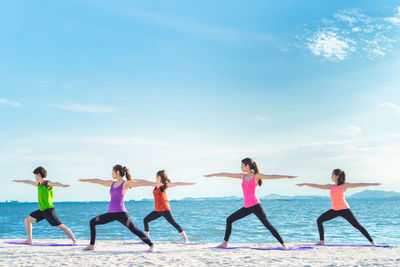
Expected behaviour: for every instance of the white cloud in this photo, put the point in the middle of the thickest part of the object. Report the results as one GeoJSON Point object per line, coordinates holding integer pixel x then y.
{"type": "Point", "coordinates": [98, 109]}
{"type": "Point", "coordinates": [330, 45]}
{"type": "Point", "coordinates": [194, 28]}
{"type": "Point", "coordinates": [350, 32]}
{"type": "Point", "coordinates": [351, 131]}
{"type": "Point", "coordinates": [390, 105]}
{"type": "Point", "coordinates": [396, 18]}
{"type": "Point", "coordinates": [9, 102]}
{"type": "Point", "coordinates": [95, 140]}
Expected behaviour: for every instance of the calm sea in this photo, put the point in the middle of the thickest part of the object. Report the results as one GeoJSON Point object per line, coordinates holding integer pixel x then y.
{"type": "Point", "coordinates": [204, 221]}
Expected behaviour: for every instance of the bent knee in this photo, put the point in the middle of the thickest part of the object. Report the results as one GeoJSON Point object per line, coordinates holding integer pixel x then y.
{"type": "Point", "coordinates": [229, 220]}
{"type": "Point", "coordinates": [29, 219]}
{"type": "Point", "coordinates": [94, 220]}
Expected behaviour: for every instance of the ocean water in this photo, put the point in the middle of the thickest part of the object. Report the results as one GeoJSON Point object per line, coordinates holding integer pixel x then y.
{"type": "Point", "coordinates": [204, 221]}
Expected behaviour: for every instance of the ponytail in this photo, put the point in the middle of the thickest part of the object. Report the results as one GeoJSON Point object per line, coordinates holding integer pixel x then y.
{"type": "Point", "coordinates": [127, 174]}
{"type": "Point", "coordinates": [123, 171]}
{"type": "Point", "coordinates": [164, 178]}
{"type": "Point", "coordinates": [341, 176]}
{"type": "Point", "coordinates": [253, 166]}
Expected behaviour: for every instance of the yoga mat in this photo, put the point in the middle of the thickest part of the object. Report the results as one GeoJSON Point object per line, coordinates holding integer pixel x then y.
{"type": "Point", "coordinates": [354, 245]}
{"type": "Point", "coordinates": [120, 251]}
{"type": "Point", "coordinates": [42, 244]}
{"type": "Point", "coordinates": [348, 245]}
{"type": "Point", "coordinates": [187, 244]}
{"type": "Point", "coordinates": [229, 247]}
{"type": "Point", "coordinates": [280, 248]}
{"type": "Point", "coordinates": [164, 242]}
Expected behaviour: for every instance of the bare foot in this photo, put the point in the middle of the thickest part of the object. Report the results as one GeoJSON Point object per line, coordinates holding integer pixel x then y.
{"type": "Point", "coordinates": [90, 247]}
{"type": "Point", "coordinates": [75, 242]}
{"type": "Point", "coordinates": [373, 243]}
{"type": "Point", "coordinates": [284, 246]}
{"type": "Point", "coordinates": [151, 249]}
{"type": "Point", "coordinates": [186, 241]}
{"type": "Point", "coordinates": [28, 242]}
{"type": "Point", "coordinates": [320, 243]}
{"type": "Point", "coordinates": [223, 245]}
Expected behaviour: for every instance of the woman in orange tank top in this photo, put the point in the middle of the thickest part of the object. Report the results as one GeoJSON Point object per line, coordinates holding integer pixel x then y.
{"type": "Point", "coordinates": [339, 204]}
{"type": "Point", "coordinates": [162, 207]}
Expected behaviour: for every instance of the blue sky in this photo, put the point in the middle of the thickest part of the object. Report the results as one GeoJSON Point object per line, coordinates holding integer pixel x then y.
{"type": "Point", "coordinates": [300, 87]}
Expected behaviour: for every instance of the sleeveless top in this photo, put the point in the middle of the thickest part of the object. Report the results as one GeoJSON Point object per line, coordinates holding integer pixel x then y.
{"type": "Point", "coordinates": [337, 198]}
{"type": "Point", "coordinates": [117, 198]}
{"type": "Point", "coordinates": [45, 196]}
{"type": "Point", "coordinates": [249, 192]}
{"type": "Point", "coordinates": [160, 199]}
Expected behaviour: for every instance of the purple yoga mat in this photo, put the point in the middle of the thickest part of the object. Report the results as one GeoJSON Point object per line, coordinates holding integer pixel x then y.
{"type": "Point", "coordinates": [354, 245]}
{"type": "Point", "coordinates": [348, 245]}
{"type": "Point", "coordinates": [120, 251]}
{"type": "Point", "coordinates": [164, 242]}
{"type": "Point", "coordinates": [229, 247]}
{"type": "Point", "coordinates": [42, 244]}
{"type": "Point", "coordinates": [280, 248]}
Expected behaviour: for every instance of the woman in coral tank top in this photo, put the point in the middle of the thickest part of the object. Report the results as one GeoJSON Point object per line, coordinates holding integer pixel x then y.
{"type": "Point", "coordinates": [162, 208]}
{"type": "Point", "coordinates": [339, 204]}
{"type": "Point", "coordinates": [251, 177]}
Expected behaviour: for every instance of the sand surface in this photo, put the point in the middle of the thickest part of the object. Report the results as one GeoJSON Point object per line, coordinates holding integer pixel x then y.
{"type": "Point", "coordinates": [118, 253]}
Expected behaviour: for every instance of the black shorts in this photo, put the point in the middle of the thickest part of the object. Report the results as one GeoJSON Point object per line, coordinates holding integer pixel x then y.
{"type": "Point", "coordinates": [48, 214]}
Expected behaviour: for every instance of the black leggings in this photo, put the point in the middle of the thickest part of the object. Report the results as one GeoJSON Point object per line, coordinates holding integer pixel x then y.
{"type": "Point", "coordinates": [157, 214]}
{"type": "Point", "coordinates": [243, 212]}
{"type": "Point", "coordinates": [123, 218]}
{"type": "Point", "coordinates": [346, 214]}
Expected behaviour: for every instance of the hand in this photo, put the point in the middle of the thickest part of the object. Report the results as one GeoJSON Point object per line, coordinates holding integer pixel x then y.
{"type": "Point", "coordinates": [15, 181]}
{"type": "Point", "coordinates": [82, 180]}
{"type": "Point", "coordinates": [376, 184]}
{"type": "Point", "coordinates": [66, 185]}
{"type": "Point", "coordinates": [291, 177]}
{"type": "Point", "coordinates": [208, 175]}
{"type": "Point", "coordinates": [300, 185]}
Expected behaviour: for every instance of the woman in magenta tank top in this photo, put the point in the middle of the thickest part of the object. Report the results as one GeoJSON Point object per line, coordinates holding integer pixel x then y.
{"type": "Point", "coordinates": [250, 179]}
{"type": "Point", "coordinates": [339, 204]}
{"type": "Point", "coordinates": [116, 208]}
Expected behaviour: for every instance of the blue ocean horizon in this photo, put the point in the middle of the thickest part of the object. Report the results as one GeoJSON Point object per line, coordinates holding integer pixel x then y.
{"type": "Point", "coordinates": [203, 220]}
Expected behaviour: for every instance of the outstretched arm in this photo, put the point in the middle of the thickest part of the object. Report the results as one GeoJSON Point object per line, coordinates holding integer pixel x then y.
{"type": "Point", "coordinates": [351, 185]}
{"type": "Point", "coordinates": [226, 174]}
{"type": "Point", "coordinates": [53, 184]}
{"type": "Point", "coordinates": [274, 176]}
{"type": "Point", "coordinates": [179, 184]}
{"type": "Point", "coordinates": [319, 186]}
{"type": "Point", "coordinates": [140, 182]}
{"type": "Point", "coordinates": [97, 181]}
{"type": "Point", "coordinates": [25, 182]}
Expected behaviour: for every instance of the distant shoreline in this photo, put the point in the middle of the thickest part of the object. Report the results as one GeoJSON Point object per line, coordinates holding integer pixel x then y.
{"type": "Point", "coordinates": [366, 194]}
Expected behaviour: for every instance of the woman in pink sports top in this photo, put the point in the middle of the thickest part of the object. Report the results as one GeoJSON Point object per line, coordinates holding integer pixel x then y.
{"type": "Point", "coordinates": [339, 204]}
{"type": "Point", "coordinates": [250, 179]}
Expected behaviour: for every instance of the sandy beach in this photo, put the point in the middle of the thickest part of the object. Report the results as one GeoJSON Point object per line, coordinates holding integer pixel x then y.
{"type": "Point", "coordinates": [121, 253]}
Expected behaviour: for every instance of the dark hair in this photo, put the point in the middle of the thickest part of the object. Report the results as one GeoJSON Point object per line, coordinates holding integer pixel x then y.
{"type": "Point", "coordinates": [123, 171]}
{"type": "Point", "coordinates": [253, 167]}
{"type": "Point", "coordinates": [164, 178]}
{"type": "Point", "coordinates": [41, 171]}
{"type": "Point", "coordinates": [341, 176]}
